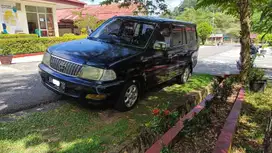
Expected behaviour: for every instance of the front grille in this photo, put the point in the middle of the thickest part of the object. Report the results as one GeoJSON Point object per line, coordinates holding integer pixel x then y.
{"type": "Point", "coordinates": [64, 66]}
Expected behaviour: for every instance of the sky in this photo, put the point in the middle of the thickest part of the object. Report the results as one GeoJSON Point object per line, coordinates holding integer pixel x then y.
{"type": "Point", "coordinates": [171, 3]}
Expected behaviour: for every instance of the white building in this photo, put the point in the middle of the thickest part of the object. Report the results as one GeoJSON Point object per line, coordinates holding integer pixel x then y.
{"type": "Point", "coordinates": [26, 16]}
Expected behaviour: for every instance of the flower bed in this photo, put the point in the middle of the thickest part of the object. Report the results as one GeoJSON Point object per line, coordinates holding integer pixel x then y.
{"type": "Point", "coordinates": [201, 133]}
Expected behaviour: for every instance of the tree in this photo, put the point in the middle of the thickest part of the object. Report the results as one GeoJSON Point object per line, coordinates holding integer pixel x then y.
{"type": "Point", "coordinates": [240, 8]}
{"type": "Point", "coordinates": [86, 21]}
{"type": "Point", "coordinates": [204, 30]}
{"type": "Point", "coordinates": [144, 6]}
{"type": "Point", "coordinates": [185, 4]}
{"type": "Point", "coordinates": [223, 23]}
{"type": "Point", "coordinates": [195, 16]}
{"type": "Point", "coordinates": [262, 18]}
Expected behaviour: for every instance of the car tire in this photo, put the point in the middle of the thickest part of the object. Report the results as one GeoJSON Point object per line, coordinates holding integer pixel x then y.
{"type": "Point", "coordinates": [183, 78]}
{"type": "Point", "coordinates": [128, 97]}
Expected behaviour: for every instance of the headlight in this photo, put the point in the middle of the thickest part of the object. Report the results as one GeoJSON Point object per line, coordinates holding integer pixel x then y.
{"type": "Point", "coordinates": [46, 59]}
{"type": "Point", "coordinates": [93, 73]}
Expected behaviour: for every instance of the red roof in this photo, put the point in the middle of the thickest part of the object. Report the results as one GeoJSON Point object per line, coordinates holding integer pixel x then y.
{"type": "Point", "coordinates": [103, 12]}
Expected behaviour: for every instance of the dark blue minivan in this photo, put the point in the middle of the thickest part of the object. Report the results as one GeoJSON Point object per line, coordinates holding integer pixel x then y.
{"type": "Point", "coordinates": [121, 58]}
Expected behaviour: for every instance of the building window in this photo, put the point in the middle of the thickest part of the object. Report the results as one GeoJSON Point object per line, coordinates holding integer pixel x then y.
{"type": "Point", "coordinates": [40, 19]}
{"type": "Point", "coordinates": [18, 6]}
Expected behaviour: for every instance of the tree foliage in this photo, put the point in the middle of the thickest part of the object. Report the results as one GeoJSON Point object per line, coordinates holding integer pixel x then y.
{"type": "Point", "coordinates": [223, 23]}
{"type": "Point", "coordinates": [241, 9]}
{"type": "Point", "coordinates": [144, 6]}
{"type": "Point", "coordinates": [262, 17]}
{"type": "Point", "coordinates": [204, 30]}
{"type": "Point", "coordinates": [185, 4]}
{"type": "Point", "coordinates": [86, 21]}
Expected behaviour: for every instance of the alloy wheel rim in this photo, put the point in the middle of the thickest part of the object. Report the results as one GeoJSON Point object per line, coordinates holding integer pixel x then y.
{"type": "Point", "coordinates": [131, 95]}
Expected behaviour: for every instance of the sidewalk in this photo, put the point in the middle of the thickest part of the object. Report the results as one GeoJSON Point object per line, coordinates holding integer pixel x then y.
{"type": "Point", "coordinates": [35, 58]}
{"type": "Point", "coordinates": [264, 61]}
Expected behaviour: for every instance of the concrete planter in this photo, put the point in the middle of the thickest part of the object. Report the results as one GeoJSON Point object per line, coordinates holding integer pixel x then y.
{"type": "Point", "coordinates": [6, 59]}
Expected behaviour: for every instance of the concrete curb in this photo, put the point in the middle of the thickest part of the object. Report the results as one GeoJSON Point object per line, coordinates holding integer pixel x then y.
{"type": "Point", "coordinates": [172, 133]}
{"type": "Point", "coordinates": [27, 55]}
{"type": "Point", "coordinates": [224, 141]}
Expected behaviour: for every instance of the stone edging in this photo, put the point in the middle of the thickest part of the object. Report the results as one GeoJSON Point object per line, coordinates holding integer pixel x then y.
{"type": "Point", "coordinates": [224, 141]}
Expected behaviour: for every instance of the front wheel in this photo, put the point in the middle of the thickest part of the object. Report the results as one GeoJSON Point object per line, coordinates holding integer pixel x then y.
{"type": "Point", "coordinates": [128, 97]}
{"type": "Point", "coordinates": [183, 78]}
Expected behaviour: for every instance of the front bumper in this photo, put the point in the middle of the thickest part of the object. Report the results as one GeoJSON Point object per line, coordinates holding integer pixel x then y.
{"type": "Point", "coordinates": [77, 87]}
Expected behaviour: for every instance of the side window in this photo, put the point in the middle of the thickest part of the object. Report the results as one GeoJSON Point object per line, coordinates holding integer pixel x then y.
{"type": "Point", "coordinates": [184, 37]}
{"type": "Point", "coordinates": [164, 34]}
{"type": "Point", "coordinates": [188, 35]}
{"type": "Point", "coordinates": [176, 36]}
{"type": "Point", "coordinates": [193, 33]}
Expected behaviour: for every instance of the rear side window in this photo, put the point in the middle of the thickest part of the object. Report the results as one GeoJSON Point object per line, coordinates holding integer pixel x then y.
{"type": "Point", "coordinates": [191, 34]}
{"type": "Point", "coordinates": [178, 36]}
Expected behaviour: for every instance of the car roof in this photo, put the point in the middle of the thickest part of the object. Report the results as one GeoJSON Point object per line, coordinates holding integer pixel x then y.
{"type": "Point", "coordinates": [154, 19]}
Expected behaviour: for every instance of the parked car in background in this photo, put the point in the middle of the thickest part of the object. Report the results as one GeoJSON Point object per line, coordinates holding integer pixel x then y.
{"type": "Point", "coordinates": [123, 57]}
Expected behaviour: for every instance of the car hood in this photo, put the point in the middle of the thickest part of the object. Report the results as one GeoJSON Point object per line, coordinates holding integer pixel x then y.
{"type": "Point", "coordinates": [91, 52]}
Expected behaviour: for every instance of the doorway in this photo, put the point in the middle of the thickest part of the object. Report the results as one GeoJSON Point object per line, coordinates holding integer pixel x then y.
{"type": "Point", "coordinates": [41, 19]}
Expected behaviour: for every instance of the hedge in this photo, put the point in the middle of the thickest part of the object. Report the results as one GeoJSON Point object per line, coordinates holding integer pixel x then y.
{"type": "Point", "coordinates": [11, 36]}
{"type": "Point", "coordinates": [31, 45]}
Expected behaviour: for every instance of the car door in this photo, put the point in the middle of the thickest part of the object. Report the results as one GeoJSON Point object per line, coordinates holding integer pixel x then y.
{"type": "Point", "coordinates": [192, 43]}
{"type": "Point", "coordinates": [177, 52]}
{"type": "Point", "coordinates": [158, 72]}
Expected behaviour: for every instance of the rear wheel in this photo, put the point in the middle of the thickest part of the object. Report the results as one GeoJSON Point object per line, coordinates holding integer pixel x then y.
{"type": "Point", "coordinates": [183, 78]}
{"type": "Point", "coordinates": [128, 97]}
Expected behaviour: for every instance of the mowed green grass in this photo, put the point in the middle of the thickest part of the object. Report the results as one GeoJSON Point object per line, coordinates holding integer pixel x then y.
{"type": "Point", "coordinates": [253, 122]}
{"type": "Point", "coordinates": [71, 128]}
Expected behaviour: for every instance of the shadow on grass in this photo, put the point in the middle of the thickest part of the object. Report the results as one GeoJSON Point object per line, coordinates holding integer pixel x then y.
{"type": "Point", "coordinates": [253, 123]}
{"type": "Point", "coordinates": [76, 128]}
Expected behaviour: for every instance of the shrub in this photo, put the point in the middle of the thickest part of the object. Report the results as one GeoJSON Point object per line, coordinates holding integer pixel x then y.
{"type": "Point", "coordinates": [4, 52]}
{"type": "Point", "coordinates": [32, 45]}
{"type": "Point", "coordinates": [68, 35]}
{"type": "Point", "coordinates": [266, 39]}
{"type": "Point", "coordinates": [11, 36]}
{"type": "Point", "coordinates": [83, 31]}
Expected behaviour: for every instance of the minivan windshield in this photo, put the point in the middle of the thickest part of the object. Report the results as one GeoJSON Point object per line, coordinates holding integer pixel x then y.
{"type": "Point", "coordinates": [122, 31]}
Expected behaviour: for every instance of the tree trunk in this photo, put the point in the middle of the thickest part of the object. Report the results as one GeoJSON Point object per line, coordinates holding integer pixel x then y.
{"type": "Point", "coordinates": [244, 38]}
{"type": "Point", "coordinates": [203, 41]}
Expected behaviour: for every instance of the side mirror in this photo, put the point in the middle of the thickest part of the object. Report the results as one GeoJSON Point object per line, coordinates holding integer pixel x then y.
{"type": "Point", "coordinates": [159, 45]}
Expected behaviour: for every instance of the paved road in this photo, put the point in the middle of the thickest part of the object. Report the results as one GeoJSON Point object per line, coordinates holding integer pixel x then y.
{"type": "Point", "coordinates": [20, 88]}
{"type": "Point", "coordinates": [218, 60]}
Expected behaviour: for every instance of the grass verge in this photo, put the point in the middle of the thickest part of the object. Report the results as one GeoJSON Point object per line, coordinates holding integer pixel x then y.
{"type": "Point", "coordinates": [71, 128]}
{"type": "Point", "coordinates": [253, 122]}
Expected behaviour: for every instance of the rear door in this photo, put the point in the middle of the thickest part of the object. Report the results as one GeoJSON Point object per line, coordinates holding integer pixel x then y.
{"type": "Point", "coordinates": [192, 43]}
{"type": "Point", "coordinates": [178, 51]}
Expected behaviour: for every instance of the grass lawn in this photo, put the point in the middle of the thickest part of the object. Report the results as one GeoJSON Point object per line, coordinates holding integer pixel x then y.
{"type": "Point", "coordinates": [253, 122]}
{"type": "Point", "coordinates": [71, 128]}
